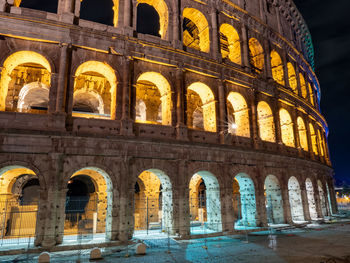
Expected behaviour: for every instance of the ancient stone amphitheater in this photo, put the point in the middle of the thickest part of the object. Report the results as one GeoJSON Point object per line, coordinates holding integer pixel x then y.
{"type": "Point", "coordinates": [124, 118]}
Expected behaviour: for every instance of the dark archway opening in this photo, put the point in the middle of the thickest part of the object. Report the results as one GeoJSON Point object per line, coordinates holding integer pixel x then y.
{"type": "Point", "coordinates": [147, 20]}
{"type": "Point", "coordinates": [42, 5]}
{"type": "Point", "coordinates": [30, 192]}
{"type": "Point", "coordinates": [99, 11]}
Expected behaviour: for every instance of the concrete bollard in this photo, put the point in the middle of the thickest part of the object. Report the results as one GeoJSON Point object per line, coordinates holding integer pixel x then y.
{"type": "Point", "coordinates": [141, 249]}
{"type": "Point", "coordinates": [95, 253]}
{"type": "Point", "coordinates": [44, 257]}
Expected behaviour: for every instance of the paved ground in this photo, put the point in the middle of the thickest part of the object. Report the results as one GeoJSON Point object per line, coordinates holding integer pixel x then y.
{"type": "Point", "coordinates": [324, 243]}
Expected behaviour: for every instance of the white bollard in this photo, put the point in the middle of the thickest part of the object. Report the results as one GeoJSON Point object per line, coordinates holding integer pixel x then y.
{"type": "Point", "coordinates": [141, 249]}
{"type": "Point", "coordinates": [44, 257]}
{"type": "Point", "coordinates": [95, 254]}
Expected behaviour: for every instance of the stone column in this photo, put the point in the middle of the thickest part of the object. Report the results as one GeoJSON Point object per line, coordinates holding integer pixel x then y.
{"type": "Point", "coordinates": [305, 202]}
{"type": "Point", "coordinates": [181, 128]}
{"type": "Point", "coordinates": [127, 13]}
{"type": "Point", "coordinates": [276, 113]}
{"type": "Point", "coordinates": [285, 70]}
{"type": "Point", "coordinates": [127, 85]}
{"type": "Point", "coordinates": [62, 78]}
{"type": "Point", "coordinates": [245, 48]}
{"type": "Point", "coordinates": [309, 140]}
{"type": "Point", "coordinates": [215, 34]}
{"type": "Point", "coordinates": [222, 111]}
{"type": "Point", "coordinates": [115, 216]}
{"type": "Point", "coordinates": [279, 26]}
{"type": "Point", "coordinates": [177, 30]}
{"type": "Point", "coordinates": [267, 67]}
{"type": "Point", "coordinates": [53, 93]}
{"type": "Point", "coordinates": [260, 204]}
{"type": "Point", "coordinates": [294, 117]}
{"type": "Point", "coordinates": [66, 10]}
{"type": "Point", "coordinates": [254, 131]}
{"type": "Point", "coordinates": [3, 5]}
{"type": "Point", "coordinates": [298, 80]}
{"type": "Point", "coordinates": [262, 11]}
{"type": "Point", "coordinates": [183, 201]}
{"type": "Point", "coordinates": [286, 205]}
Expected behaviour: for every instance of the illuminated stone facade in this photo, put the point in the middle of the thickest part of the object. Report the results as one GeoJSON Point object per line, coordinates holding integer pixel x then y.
{"type": "Point", "coordinates": [211, 120]}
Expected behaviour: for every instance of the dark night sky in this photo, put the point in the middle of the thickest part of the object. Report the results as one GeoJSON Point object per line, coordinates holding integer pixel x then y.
{"type": "Point", "coordinates": [329, 23]}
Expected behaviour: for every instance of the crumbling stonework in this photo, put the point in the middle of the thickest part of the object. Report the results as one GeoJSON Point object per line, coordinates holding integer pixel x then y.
{"type": "Point", "coordinates": [222, 103]}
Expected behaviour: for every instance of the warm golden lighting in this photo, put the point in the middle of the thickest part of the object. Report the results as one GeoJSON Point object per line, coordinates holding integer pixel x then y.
{"type": "Point", "coordinates": [238, 115]}
{"type": "Point", "coordinates": [321, 143]}
{"type": "Point", "coordinates": [293, 83]}
{"type": "Point", "coordinates": [17, 59]}
{"type": "Point", "coordinates": [277, 68]}
{"type": "Point", "coordinates": [311, 92]}
{"type": "Point", "coordinates": [256, 54]}
{"type": "Point", "coordinates": [302, 134]}
{"type": "Point", "coordinates": [286, 128]}
{"type": "Point", "coordinates": [205, 106]}
{"type": "Point", "coordinates": [153, 99]}
{"type": "Point", "coordinates": [303, 85]}
{"type": "Point", "coordinates": [230, 43]}
{"type": "Point", "coordinates": [196, 34]}
{"type": "Point", "coordinates": [313, 139]}
{"type": "Point", "coordinates": [95, 90]}
{"type": "Point", "coordinates": [266, 122]}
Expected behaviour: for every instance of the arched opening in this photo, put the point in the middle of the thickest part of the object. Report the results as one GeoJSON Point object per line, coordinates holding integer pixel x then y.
{"type": "Point", "coordinates": [153, 99]}
{"type": "Point", "coordinates": [88, 208]}
{"type": "Point", "coordinates": [302, 134]}
{"type": "Point", "coordinates": [321, 143]}
{"type": "Point", "coordinates": [94, 91]}
{"type": "Point", "coordinates": [244, 201]}
{"type": "Point", "coordinates": [153, 203]}
{"type": "Point", "coordinates": [329, 199]}
{"type": "Point", "coordinates": [322, 198]}
{"type": "Point", "coordinates": [266, 122]}
{"type": "Point", "coordinates": [311, 93]}
{"type": "Point", "coordinates": [313, 139]}
{"type": "Point", "coordinates": [273, 200]}
{"type": "Point", "coordinates": [106, 11]}
{"type": "Point", "coordinates": [19, 201]}
{"type": "Point", "coordinates": [153, 17]}
{"type": "Point", "coordinates": [230, 43]}
{"type": "Point", "coordinates": [147, 20]}
{"type": "Point", "coordinates": [26, 70]}
{"type": "Point", "coordinates": [195, 30]}
{"type": "Point", "coordinates": [292, 78]}
{"type": "Point", "coordinates": [287, 131]}
{"type": "Point", "coordinates": [295, 201]}
{"type": "Point", "coordinates": [42, 5]}
{"type": "Point", "coordinates": [311, 199]}
{"type": "Point", "coordinates": [303, 87]}
{"type": "Point", "coordinates": [205, 205]}
{"type": "Point", "coordinates": [277, 68]}
{"type": "Point", "coordinates": [256, 55]}
{"type": "Point", "coordinates": [237, 115]}
{"type": "Point", "coordinates": [201, 113]}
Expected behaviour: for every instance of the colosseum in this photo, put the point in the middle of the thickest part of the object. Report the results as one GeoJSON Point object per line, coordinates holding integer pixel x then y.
{"type": "Point", "coordinates": [165, 117]}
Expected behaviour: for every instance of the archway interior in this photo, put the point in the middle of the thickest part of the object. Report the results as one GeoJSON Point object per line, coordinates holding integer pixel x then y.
{"type": "Point", "coordinates": [302, 134]}
{"type": "Point", "coordinates": [88, 207]}
{"type": "Point", "coordinates": [19, 69]}
{"type": "Point", "coordinates": [106, 11]}
{"type": "Point", "coordinates": [230, 44]}
{"type": "Point", "coordinates": [295, 201]}
{"type": "Point", "coordinates": [195, 30]}
{"type": "Point", "coordinates": [201, 107]}
{"type": "Point", "coordinates": [277, 68]}
{"type": "Point", "coordinates": [19, 198]}
{"type": "Point", "coordinates": [237, 115]}
{"type": "Point", "coordinates": [303, 87]}
{"type": "Point", "coordinates": [273, 200]}
{"type": "Point", "coordinates": [42, 5]}
{"type": "Point", "coordinates": [311, 92]}
{"type": "Point", "coordinates": [313, 139]}
{"type": "Point", "coordinates": [94, 91]}
{"type": "Point", "coordinates": [153, 203]}
{"type": "Point", "coordinates": [256, 55]}
{"type": "Point", "coordinates": [322, 196]}
{"type": "Point", "coordinates": [153, 99]}
{"type": "Point", "coordinates": [311, 199]}
{"type": "Point", "coordinates": [147, 20]}
{"type": "Point", "coordinates": [292, 77]}
{"type": "Point", "coordinates": [266, 122]}
{"type": "Point", "coordinates": [153, 17]}
{"type": "Point", "coordinates": [244, 201]}
{"type": "Point", "coordinates": [287, 130]}
{"type": "Point", "coordinates": [205, 205]}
